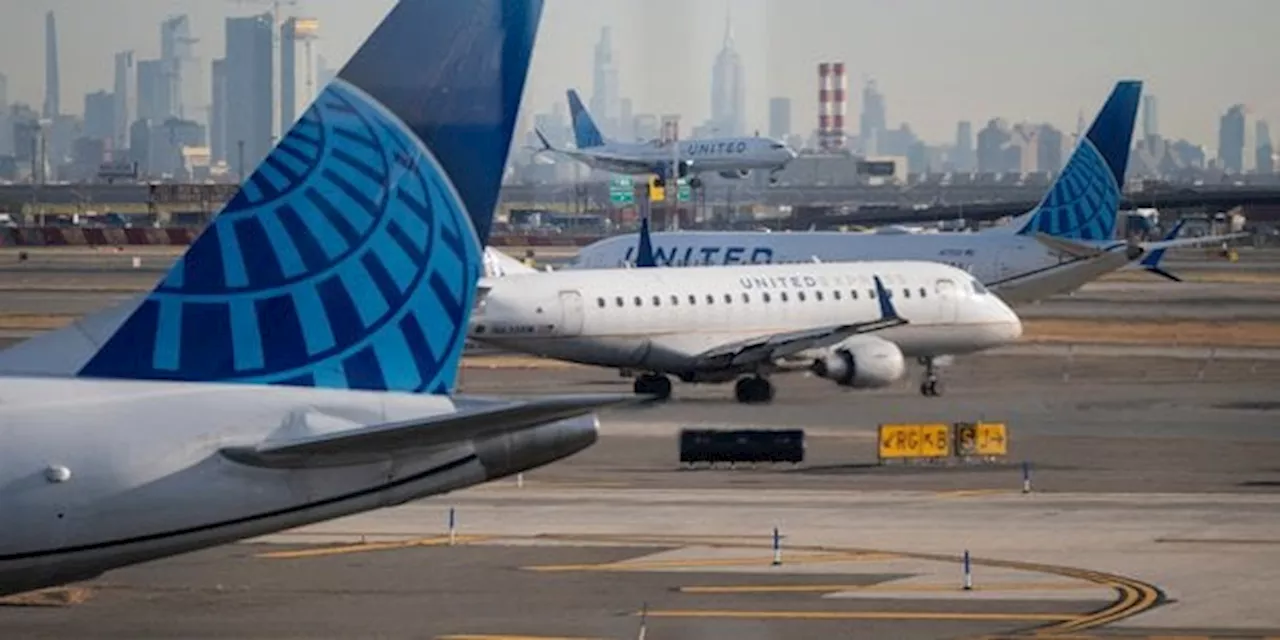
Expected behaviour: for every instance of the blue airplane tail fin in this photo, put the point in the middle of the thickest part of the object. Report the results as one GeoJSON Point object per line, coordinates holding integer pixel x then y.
{"type": "Point", "coordinates": [644, 253]}
{"type": "Point", "coordinates": [585, 132]}
{"type": "Point", "coordinates": [350, 257]}
{"type": "Point", "coordinates": [1084, 202]}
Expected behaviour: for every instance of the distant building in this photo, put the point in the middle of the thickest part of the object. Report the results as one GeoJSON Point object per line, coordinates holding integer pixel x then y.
{"type": "Point", "coordinates": [100, 116]}
{"type": "Point", "coordinates": [604, 103]}
{"type": "Point", "coordinates": [1150, 120]}
{"type": "Point", "coordinates": [183, 86]}
{"type": "Point", "coordinates": [249, 86]}
{"type": "Point", "coordinates": [1236, 144]}
{"type": "Point", "coordinates": [728, 89]}
{"type": "Point", "coordinates": [52, 83]}
{"type": "Point", "coordinates": [647, 126]}
{"type": "Point", "coordinates": [992, 141]}
{"type": "Point", "coordinates": [298, 68]}
{"type": "Point", "coordinates": [218, 112]}
{"type": "Point", "coordinates": [153, 91]}
{"type": "Point", "coordinates": [873, 122]}
{"type": "Point", "coordinates": [779, 117]}
{"type": "Point", "coordinates": [125, 92]}
{"type": "Point", "coordinates": [963, 156]}
{"type": "Point", "coordinates": [1265, 163]}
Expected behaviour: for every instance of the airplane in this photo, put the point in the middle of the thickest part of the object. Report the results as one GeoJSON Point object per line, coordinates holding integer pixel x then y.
{"type": "Point", "coordinates": [716, 324]}
{"type": "Point", "coordinates": [732, 157]}
{"type": "Point", "coordinates": [1057, 247]}
{"type": "Point", "coordinates": [297, 364]}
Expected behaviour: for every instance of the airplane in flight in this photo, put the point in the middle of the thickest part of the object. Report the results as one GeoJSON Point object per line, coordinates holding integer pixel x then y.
{"type": "Point", "coordinates": [853, 323]}
{"type": "Point", "coordinates": [733, 157]}
{"type": "Point", "coordinates": [297, 363]}
{"type": "Point", "coordinates": [1057, 247]}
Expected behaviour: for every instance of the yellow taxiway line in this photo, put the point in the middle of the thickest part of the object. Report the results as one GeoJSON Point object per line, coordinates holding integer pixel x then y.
{"type": "Point", "coordinates": [862, 615]}
{"type": "Point", "coordinates": [368, 546]}
{"type": "Point", "coordinates": [887, 588]}
{"type": "Point", "coordinates": [763, 559]}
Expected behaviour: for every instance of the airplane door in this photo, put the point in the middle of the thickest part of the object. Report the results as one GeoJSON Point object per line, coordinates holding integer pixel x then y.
{"type": "Point", "coordinates": [947, 298]}
{"type": "Point", "coordinates": [571, 313]}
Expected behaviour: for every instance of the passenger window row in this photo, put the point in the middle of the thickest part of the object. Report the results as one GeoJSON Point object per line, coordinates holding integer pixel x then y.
{"type": "Point", "coordinates": [728, 298]}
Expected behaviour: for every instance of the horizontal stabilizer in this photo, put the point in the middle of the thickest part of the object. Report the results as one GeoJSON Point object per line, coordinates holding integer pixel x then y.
{"type": "Point", "coordinates": [366, 444]}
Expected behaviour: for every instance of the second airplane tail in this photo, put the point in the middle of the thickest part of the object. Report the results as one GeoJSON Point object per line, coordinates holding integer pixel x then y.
{"type": "Point", "coordinates": [585, 132]}
{"type": "Point", "coordinates": [1084, 201]}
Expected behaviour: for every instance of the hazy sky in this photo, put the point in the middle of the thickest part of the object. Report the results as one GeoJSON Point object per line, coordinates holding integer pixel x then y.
{"type": "Point", "coordinates": [937, 61]}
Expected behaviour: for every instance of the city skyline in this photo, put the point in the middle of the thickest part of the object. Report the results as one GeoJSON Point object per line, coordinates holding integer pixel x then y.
{"type": "Point", "coordinates": [779, 51]}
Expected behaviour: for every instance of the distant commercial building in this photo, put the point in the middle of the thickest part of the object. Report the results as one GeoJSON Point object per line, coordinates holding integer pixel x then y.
{"type": "Point", "coordinates": [873, 122]}
{"type": "Point", "coordinates": [993, 139]}
{"type": "Point", "coordinates": [779, 117]}
{"type": "Point", "coordinates": [1050, 149]}
{"type": "Point", "coordinates": [153, 91]}
{"type": "Point", "coordinates": [218, 112]}
{"type": "Point", "coordinates": [1236, 144]}
{"type": "Point", "coordinates": [1265, 163]}
{"type": "Point", "coordinates": [100, 116]}
{"type": "Point", "coordinates": [6, 124]}
{"type": "Point", "coordinates": [1150, 119]}
{"type": "Point", "coordinates": [604, 103]}
{"type": "Point", "coordinates": [298, 68]}
{"type": "Point", "coordinates": [728, 89]}
{"type": "Point", "coordinates": [647, 126]}
{"type": "Point", "coordinates": [125, 92]}
{"type": "Point", "coordinates": [963, 154]}
{"type": "Point", "coordinates": [183, 86]}
{"type": "Point", "coordinates": [52, 83]}
{"type": "Point", "coordinates": [249, 87]}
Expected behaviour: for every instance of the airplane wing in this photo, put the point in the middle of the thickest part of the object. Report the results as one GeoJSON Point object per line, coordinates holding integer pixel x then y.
{"type": "Point", "coordinates": [781, 345]}
{"type": "Point", "coordinates": [374, 442]}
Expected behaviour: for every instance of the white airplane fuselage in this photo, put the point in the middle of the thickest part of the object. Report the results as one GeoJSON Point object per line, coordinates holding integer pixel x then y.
{"type": "Point", "coordinates": [709, 155]}
{"type": "Point", "coordinates": [662, 319]}
{"type": "Point", "coordinates": [1020, 268]}
{"type": "Point", "coordinates": [100, 474]}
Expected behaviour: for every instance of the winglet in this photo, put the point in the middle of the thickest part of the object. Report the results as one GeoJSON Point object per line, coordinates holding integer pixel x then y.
{"type": "Point", "coordinates": [887, 312]}
{"type": "Point", "coordinates": [546, 144]}
{"type": "Point", "coordinates": [644, 254]}
{"type": "Point", "coordinates": [1152, 261]}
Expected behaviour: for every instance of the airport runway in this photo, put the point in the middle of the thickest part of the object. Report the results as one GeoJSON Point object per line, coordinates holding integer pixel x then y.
{"type": "Point", "coordinates": [1154, 513]}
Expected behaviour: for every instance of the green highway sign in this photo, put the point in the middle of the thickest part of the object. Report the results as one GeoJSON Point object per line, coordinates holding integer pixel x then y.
{"type": "Point", "coordinates": [621, 190]}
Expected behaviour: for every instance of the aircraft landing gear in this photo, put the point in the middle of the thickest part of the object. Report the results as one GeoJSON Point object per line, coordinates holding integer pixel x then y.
{"type": "Point", "coordinates": [653, 384]}
{"type": "Point", "coordinates": [773, 178]}
{"type": "Point", "coordinates": [931, 385]}
{"type": "Point", "coordinates": [695, 183]}
{"type": "Point", "coordinates": [754, 390]}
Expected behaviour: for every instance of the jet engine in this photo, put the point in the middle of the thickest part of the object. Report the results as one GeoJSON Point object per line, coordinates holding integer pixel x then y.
{"type": "Point", "coordinates": [867, 363]}
{"type": "Point", "coordinates": [511, 453]}
{"type": "Point", "coordinates": [735, 175]}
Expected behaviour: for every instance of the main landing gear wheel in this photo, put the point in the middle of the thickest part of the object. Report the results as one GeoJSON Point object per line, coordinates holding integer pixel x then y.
{"type": "Point", "coordinates": [695, 183]}
{"type": "Point", "coordinates": [754, 390]}
{"type": "Point", "coordinates": [931, 386]}
{"type": "Point", "coordinates": [654, 385]}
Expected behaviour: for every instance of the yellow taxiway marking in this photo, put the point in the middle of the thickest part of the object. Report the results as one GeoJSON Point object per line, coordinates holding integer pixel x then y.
{"type": "Point", "coordinates": [861, 615]}
{"type": "Point", "coordinates": [713, 562]}
{"type": "Point", "coordinates": [506, 637]}
{"type": "Point", "coordinates": [969, 493]}
{"type": "Point", "coordinates": [368, 546]}
{"type": "Point", "coordinates": [888, 588]}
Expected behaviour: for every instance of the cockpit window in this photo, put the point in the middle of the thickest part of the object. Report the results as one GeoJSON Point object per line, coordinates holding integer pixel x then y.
{"type": "Point", "coordinates": [978, 288]}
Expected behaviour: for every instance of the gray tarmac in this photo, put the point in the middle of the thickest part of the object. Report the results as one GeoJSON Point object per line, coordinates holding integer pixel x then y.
{"type": "Point", "coordinates": [1154, 513]}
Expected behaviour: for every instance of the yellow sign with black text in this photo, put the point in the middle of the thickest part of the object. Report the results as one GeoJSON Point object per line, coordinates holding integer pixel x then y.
{"type": "Point", "coordinates": [903, 441]}
{"type": "Point", "coordinates": [981, 439]}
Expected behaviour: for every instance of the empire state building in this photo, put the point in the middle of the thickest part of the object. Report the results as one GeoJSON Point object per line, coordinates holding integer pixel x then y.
{"type": "Point", "coordinates": [728, 96]}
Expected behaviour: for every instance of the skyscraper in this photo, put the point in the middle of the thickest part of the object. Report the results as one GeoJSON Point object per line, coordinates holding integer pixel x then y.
{"type": "Point", "coordinates": [871, 126]}
{"type": "Point", "coordinates": [52, 95]}
{"type": "Point", "coordinates": [100, 116]}
{"type": "Point", "coordinates": [964, 155]}
{"type": "Point", "coordinates": [6, 123]}
{"type": "Point", "coordinates": [1236, 148]}
{"type": "Point", "coordinates": [1265, 163]}
{"type": "Point", "coordinates": [1150, 123]}
{"type": "Point", "coordinates": [218, 112]}
{"type": "Point", "coordinates": [298, 68]}
{"type": "Point", "coordinates": [728, 93]}
{"type": "Point", "coordinates": [153, 91]}
{"type": "Point", "coordinates": [182, 84]}
{"type": "Point", "coordinates": [4, 93]}
{"type": "Point", "coordinates": [249, 89]}
{"type": "Point", "coordinates": [779, 117]}
{"type": "Point", "coordinates": [604, 89]}
{"type": "Point", "coordinates": [125, 94]}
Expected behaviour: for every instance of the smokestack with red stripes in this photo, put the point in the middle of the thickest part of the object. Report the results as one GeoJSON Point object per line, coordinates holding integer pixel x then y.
{"type": "Point", "coordinates": [833, 87]}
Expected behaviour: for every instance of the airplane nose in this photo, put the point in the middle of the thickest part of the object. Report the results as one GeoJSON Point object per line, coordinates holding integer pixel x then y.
{"type": "Point", "coordinates": [1011, 323]}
